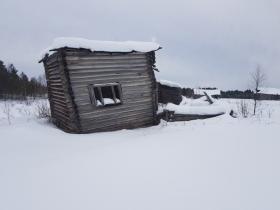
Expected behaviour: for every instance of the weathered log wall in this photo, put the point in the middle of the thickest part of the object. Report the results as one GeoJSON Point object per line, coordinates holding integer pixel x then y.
{"type": "Point", "coordinates": [76, 69]}
{"type": "Point", "coordinates": [60, 100]}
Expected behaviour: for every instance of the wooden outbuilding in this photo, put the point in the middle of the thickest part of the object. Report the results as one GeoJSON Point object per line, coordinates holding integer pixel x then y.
{"type": "Point", "coordinates": [101, 86]}
{"type": "Point", "coordinates": [169, 92]}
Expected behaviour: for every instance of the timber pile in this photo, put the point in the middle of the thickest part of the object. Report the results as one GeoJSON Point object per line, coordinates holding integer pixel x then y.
{"type": "Point", "coordinates": [171, 116]}
{"type": "Point", "coordinates": [201, 108]}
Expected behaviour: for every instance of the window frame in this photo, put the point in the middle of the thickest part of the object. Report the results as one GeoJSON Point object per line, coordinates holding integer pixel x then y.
{"type": "Point", "coordinates": [112, 85]}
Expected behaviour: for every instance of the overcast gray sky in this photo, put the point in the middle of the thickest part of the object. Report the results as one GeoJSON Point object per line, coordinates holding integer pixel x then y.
{"type": "Point", "coordinates": [205, 42]}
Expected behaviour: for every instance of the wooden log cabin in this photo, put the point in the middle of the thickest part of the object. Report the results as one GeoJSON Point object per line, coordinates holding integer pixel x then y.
{"type": "Point", "coordinates": [98, 86]}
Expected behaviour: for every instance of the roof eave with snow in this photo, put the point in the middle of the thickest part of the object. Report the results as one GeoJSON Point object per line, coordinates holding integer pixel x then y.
{"type": "Point", "coordinates": [100, 46]}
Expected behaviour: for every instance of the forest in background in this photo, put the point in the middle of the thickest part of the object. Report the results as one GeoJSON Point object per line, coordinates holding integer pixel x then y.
{"type": "Point", "coordinates": [16, 85]}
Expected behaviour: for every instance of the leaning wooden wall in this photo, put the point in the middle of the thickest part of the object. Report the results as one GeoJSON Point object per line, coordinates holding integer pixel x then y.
{"type": "Point", "coordinates": [132, 70]}
{"type": "Point", "coordinates": [60, 101]}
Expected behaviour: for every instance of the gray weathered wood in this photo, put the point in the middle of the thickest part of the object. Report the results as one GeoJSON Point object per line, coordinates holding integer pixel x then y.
{"type": "Point", "coordinates": [70, 72]}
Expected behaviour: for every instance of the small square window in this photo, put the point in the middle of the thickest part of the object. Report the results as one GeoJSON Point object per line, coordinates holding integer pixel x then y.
{"type": "Point", "coordinates": [105, 94]}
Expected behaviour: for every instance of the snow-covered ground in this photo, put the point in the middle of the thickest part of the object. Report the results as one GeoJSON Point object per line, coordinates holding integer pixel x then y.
{"type": "Point", "coordinates": [214, 164]}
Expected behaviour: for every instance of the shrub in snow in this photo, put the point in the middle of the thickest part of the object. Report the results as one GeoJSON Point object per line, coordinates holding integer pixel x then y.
{"type": "Point", "coordinates": [269, 113]}
{"type": "Point", "coordinates": [243, 108]}
{"type": "Point", "coordinates": [43, 110]}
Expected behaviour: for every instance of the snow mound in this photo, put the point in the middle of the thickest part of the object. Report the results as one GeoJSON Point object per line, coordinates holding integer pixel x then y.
{"type": "Point", "coordinates": [101, 46]}
{"type": "Point", "coordinates": [195, 107]}
{"type": "Point", "coordinates": [196, 110]}
{"type": "Point", "coordinates": [169, 83]}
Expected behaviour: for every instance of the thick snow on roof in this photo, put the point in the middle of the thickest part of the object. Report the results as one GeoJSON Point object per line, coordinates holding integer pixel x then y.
{"type": "Point", "coordinates": [272, 91]}
{"type": "Point", "coordinates": [199, 91]}
{"type": "Point", "coordinates": [102, 46]}
{"type": "Point", "coordinates": [169, 83]}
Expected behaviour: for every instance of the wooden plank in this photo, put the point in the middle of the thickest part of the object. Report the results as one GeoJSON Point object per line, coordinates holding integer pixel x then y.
{"type": "Point", "coordinates": [55, 65]}
{"type": "Point", "coordinates": [54, 77]}
{"type": "Point", "coordinates": [113, 74]}
{"type": "Point", "coordinates": [125, 125]}
{"type": "Point", "coordinates": [94, 111]}
{"type": "Point", "coordinates": [102, 80]}
{"type": "Point", "coordinates": [99, 66]}
{"type": "Point", "coordinates": [109, 115]}
{"type": "Point", "coordinates": [106, 61]}
{"type": "Point", "coordinates": [83, 89]}
{"type": "Point", "coordinates": [53, 70]}
{"type": "Point", "coordinates": [73, 56]}
{"type": "Point", "coordinates": [85, 97]}
{"type": "Point", "coordinates": [116, 125]}
{"type": "Point", "coordinates": [133, 118]}
{"type": "Point", "coordinates": [126, 101]}
{"type": "Point", "coordinates": [171, 116]}
{"type": "Point", "coordinates": [110, 69]}
{"type": "Point", "coordinates": [124, 82]}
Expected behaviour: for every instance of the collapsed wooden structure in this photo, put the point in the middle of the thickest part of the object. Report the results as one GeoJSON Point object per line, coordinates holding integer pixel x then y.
{"type": "Point", "coordinates": [169, 93]}
{"type": "Point", "coordinates": [171, 116]}
{"type": "Point", "coordinates": [101, 86]}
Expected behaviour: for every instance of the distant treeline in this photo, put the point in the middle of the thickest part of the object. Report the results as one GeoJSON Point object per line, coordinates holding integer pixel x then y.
{"type": "Point", "coordinates": [169, 94]}
{"type": "Point", "coordinates": [237, 94]}
{"type": "Point", "coordinates": [18, 86]}
{"type": "Point", "coordinates": [247, 94]}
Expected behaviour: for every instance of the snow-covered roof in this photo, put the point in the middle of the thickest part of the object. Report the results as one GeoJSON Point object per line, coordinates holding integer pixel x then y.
{"type": "Point", "coordinates": [196, 110]}
{"type": "Point", "coordinates": [199, 91]}
{"type": "Point", "coordinates": [169, 83]}
{"type": "Point", "coordinates": [194, 107]}
{"type": "Point", "coordinates": [272, 91]}
{"type": "Point", "coordinates": [101, 46]}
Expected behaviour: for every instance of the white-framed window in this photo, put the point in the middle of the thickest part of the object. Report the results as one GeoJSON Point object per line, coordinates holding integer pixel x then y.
{"type": "Point", "coordinates": [105, 94]}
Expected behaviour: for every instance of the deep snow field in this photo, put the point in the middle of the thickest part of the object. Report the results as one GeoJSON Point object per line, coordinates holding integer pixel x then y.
{"type": "Point", "coordinates": [221, 163]}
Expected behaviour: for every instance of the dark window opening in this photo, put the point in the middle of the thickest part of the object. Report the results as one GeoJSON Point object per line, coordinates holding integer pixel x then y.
{"type": "Point", "coordinates": [97, 94]}
{"type": "Point", "coordinates": [105, 94]}
{"type": "Point", "coordinates": [117, 91]}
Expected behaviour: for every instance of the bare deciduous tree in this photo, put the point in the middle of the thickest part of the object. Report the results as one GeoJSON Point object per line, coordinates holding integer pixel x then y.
{"type": "Point", "coordinates": [258, 78]}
